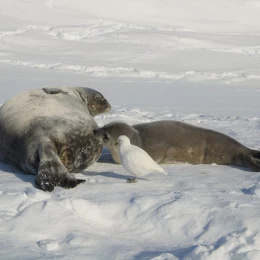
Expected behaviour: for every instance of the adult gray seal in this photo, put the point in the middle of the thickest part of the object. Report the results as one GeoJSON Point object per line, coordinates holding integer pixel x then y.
{"type": "Point", "coordinates": [175, 142]}
{"type": "Point", "coordinates": [49, 132]}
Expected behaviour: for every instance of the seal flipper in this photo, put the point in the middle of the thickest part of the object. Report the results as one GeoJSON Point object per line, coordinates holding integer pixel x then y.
{"type": "Point", "coordinates": [54, 91]}
{"type": "Point", "coordinates": [80, 181]}
{"type": "Point", "coordinates": [51, 171]}
{"type": "Point", "coordinates": [252, 160]}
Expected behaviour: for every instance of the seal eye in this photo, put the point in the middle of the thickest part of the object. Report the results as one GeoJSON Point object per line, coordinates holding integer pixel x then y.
{"type": "Point", "coordinates": [97, 98]}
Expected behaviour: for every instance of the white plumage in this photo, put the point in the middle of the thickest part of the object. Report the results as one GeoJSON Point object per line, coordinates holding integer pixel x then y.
{"type": "Point", "coordinates": [135, 160]}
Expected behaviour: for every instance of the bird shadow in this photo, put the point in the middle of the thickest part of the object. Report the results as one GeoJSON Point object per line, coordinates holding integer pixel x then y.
{"type": "Point", "coordinates": [111, 175]}
{"type": "Point", "coordinates": [108, 174]}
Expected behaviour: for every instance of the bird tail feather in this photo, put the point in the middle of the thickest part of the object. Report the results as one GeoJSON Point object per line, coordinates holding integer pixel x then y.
{"type": "Point", "coordinates": [160, 169]}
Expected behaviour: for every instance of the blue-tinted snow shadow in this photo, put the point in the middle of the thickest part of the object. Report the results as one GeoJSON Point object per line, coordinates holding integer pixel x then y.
{"type": "Point", "coordinates": [251, 190]}
{"type": "Point", "coordinates": [107, 174]}
{"type": "Point", "coordinates": [179, 253]}
{"type": "Point", "coordinates": [247, 191]}
{"type": "Point", "coordinates": [6, 168]}
{"type": "Point", "coordinates": [105, 156]}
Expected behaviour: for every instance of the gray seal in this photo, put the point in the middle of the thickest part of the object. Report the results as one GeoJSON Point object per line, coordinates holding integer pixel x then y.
{"type": "Point", "coordinates": [176, 142]}
{"type": "Point", "coordinates": [49, 132]}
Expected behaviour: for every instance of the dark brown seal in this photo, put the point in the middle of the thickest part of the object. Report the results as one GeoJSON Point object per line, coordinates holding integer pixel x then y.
{"type": "Point", "coordinates": [176, 142]}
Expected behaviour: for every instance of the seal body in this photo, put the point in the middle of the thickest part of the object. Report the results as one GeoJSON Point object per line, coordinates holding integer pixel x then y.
{"type": "Point", "coordinates": [176, 142]}
{"type": "Point", "coordinates": [49, 132]}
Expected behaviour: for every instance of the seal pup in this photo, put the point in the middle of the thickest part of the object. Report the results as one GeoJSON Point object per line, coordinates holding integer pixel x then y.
{"type": "Point", "coordinates": [135, 160]}
{"type": "Point", "coordinates": [49, 132]}
{"type": "Point", "coordinates": [177, 142]}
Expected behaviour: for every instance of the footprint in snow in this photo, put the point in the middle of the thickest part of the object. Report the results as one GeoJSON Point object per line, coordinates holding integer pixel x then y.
{"type": "Point", "coordinates": [255, 190]}
{"type": "Point", "coordinates": [48, 244]}
{"type": "Point", "coordinates": [165, 256]}
{"type": "Point", "coordinates": [36, 194]}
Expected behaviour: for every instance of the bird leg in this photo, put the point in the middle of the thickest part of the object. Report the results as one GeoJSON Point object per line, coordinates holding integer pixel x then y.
{"type": "Point", "coordinates": [132, 180]}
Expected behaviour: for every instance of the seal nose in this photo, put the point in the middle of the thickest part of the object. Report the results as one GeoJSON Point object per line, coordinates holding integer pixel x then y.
{"type": "Point", "coordinates": [108, 107]}
{"type": "Point", "coordinates": [95, 131]}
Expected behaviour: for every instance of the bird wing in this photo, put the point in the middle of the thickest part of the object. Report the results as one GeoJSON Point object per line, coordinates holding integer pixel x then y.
{"type": "Point", "coordinates": [136, 159]}
{"type": "Point", "coordinates": [130, 162]}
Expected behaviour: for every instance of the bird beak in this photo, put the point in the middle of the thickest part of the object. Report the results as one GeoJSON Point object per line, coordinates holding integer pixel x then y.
{"type": "Point", "coordinates": [116, 143]}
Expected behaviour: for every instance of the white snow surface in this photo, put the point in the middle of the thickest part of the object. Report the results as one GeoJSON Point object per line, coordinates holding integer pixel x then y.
{"type": "Point", "coordinates": [193, 61]}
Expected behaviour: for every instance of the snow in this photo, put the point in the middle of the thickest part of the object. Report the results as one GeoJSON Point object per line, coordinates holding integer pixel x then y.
{"type": "Point", "coordinates": [192, 61]}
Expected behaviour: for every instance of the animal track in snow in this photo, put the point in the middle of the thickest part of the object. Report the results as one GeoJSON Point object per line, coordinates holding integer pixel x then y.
{"type": "Point", "coordinates": [80, 33]}
{"type": "Point", "coordinates": [36, 194]}
{"type": "Point", "coordinates": [71, 33]}
{"type": "Point", "coordinates": [24, 29]}
{"type": "Point", "coordinates": [131, 72]}
{"type": "Point", "coordinates": [99, 27]}
{"type": "Point", "coordinates": [165, 256]}
{"type": "Point", "coordinates": [48, 244]}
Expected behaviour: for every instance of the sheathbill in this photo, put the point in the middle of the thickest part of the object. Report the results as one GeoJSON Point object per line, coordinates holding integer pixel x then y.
{"type": "Point", "coordinates": [135, 160]}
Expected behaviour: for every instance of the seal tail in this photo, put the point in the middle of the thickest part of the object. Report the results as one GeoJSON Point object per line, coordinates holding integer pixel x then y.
{"type": "Point", "coordinates": [252, 160]}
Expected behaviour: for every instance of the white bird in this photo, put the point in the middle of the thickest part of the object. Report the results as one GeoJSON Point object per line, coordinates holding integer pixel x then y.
{"type": "Point", "coordinates": [135, 160]}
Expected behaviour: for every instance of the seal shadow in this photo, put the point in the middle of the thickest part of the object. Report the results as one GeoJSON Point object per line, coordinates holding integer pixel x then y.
{"type": "Point", "coordinates": [6, 168]}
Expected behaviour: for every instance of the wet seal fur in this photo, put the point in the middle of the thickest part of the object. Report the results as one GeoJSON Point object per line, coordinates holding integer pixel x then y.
{"type": "Point", "coordinates": [49, 132]}
{"type": "Point", "coordinates": [176, 142]}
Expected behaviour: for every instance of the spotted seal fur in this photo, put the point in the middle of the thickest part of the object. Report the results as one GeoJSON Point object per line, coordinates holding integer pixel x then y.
{"type": "Point", "coordinates": [49, 132]}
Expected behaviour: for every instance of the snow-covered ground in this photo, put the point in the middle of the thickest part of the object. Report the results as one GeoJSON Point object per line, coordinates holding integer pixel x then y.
{"type": "Point", "coordinates": [192, 61]}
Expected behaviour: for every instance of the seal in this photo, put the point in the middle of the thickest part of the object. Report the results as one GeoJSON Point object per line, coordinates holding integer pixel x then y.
{"type": "Point", "coordinates": [49, 132]}
{"type": "Point", "coordinates": [177, 142]}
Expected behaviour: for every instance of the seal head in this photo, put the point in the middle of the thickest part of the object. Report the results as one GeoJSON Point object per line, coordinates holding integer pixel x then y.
{"type": "Point", "coordinates": [96, 102]}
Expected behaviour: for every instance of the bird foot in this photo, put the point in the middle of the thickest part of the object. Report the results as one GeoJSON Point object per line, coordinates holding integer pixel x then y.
{"type": "Point", "coordinates": [131, 180]}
